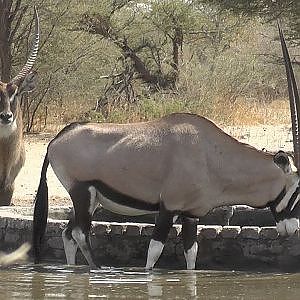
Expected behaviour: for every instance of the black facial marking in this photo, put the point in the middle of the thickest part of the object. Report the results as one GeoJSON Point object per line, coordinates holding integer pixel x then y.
{"type": "Point", "coordinates": [122, 199]}
{"type": "Point", "coordinates": [288, 212]}
{"type": "Point", "coordinates": [278, 199]}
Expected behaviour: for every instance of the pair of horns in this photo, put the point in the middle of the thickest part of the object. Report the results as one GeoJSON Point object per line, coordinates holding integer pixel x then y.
{"type": "Point", "coordinates": [294, 99]}
{"type": "Point", "coordinates": [33, 52]}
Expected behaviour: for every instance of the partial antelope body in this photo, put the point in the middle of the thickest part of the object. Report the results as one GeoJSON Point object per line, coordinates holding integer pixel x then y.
{"type": "Point", "coordinates": [12, 152]}
{"type": "Point", "coordinates": [19, 255]}
{"type": "Point", "coordinates": [181, 165]}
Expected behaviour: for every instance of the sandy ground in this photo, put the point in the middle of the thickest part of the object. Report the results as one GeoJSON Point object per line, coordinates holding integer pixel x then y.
{"type": "Point", "coordinates": [272, 138]}
{"type": "Point", "coordinates": [27, 181]}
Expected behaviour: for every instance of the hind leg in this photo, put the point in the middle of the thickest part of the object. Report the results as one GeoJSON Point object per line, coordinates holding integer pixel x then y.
{"type": "Point", "coordinates": [84, 199]}
{"type": "Point", "coordinates": [190, 245]}
{"type": "Point", "coordinates": [70, 245]}
{"type": "Point", "coordinates": [160, 233]}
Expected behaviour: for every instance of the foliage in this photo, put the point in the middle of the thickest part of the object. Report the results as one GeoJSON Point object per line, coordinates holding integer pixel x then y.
{"type": "Point", "coordinates": [129, 60]}
{"type": "Point", "coordinates": [267, 10]}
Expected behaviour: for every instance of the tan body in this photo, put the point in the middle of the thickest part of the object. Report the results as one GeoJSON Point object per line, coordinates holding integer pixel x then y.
{"type": "Point", "coordinates": [170, 160]}
{"type": "Point", "coordinates": [181, 165]}
{"type": "Point", "coordinates": [12, 151]}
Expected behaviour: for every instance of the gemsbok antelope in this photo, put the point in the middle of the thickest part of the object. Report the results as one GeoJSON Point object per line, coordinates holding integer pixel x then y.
{"type": "Point", "coordinates": [181, 165]}
{"type": "Point", "coordinates": [12, 151]}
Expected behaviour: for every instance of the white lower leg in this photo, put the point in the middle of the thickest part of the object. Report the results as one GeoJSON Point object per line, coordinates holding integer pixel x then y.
{"type": "Point", "coordinates": [70, 247]}
{"type": "Point", "coordinates": [154, 251]}
{"type": "Point", "coordinates": [80, 238]}
{"type": "Point", "coordinates": [190, 256]}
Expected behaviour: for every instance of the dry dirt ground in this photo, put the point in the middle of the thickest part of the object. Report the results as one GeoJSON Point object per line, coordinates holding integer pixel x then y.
{"type": "Point", "coordinates": [27, 181]}
{"type": "Point", "coordinates": [272, 138]}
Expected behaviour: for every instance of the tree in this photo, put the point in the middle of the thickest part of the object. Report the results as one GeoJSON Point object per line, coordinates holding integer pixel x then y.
{"type": "Point", "coordinates": [11, 17]}
{"type": "Point", "coordinates": [149, 37]}
{"type": "Point", "coordinates": [268, 11]}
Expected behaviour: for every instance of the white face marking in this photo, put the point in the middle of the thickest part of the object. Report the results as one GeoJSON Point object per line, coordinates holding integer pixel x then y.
{"type": "Point", "coordinates": [7, 130]}
{"type": "Point", "coordinates": [287, 226]}
{"type": "Point", "coordinates": [70, 247]}
{"type": "Point", "coordinates": [284, 202]}
{"type": "Point", "coordinates": [154, 251]}
{"type": "Point", "coordinates": [191, 256]}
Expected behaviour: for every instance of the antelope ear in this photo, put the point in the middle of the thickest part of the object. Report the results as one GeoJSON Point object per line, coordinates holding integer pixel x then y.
{"type": "Point", "coordinates": [282, 160]}
{"type": "Point", "coordinates": [28, 84]}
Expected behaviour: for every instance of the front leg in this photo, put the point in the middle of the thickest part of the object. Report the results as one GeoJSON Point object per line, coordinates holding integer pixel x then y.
{"type": "Point", "coordinates": [189, 237]}
{"type": "Point", "coordinates": [163, 224]}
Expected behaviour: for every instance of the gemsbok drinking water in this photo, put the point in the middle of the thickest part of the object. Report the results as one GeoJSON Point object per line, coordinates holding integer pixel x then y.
{"type": "Point", "coordinates": [181, 165]}
{"type": "Point", "coordinates": [12, 151]}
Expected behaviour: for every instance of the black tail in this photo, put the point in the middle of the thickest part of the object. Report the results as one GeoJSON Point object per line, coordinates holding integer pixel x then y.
{"type": "Point", "coordinates": [40, 215]}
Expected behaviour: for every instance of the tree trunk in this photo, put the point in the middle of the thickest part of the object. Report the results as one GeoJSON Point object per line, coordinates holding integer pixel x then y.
{"type": "Point", "coordinates": [177, 41]}
{"type": "Point", "coordinates": [5, 42]}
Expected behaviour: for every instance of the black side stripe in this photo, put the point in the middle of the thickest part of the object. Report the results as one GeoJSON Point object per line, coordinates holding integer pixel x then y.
{"type": "Point", "coordinates": [122, 199]}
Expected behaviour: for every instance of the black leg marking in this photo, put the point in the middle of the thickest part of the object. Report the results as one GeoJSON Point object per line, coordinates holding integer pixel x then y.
{"type": "Point", "coordinates": [80, 196]}
{"type": "Point", "coordinates": [190, 245]}
{"type": "Point", "coordinates": [189, 232]}
{"type": "Point", "coordinates": [163, 224]}
{"type": "Point", "coordinates": [160, 233]}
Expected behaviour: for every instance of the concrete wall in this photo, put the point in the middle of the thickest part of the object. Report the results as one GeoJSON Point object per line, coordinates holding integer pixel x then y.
{"type": "Point", "coordinates": [125, 244]}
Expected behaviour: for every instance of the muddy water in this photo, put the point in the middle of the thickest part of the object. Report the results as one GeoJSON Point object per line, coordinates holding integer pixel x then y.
{"type": "Point", "coordinates": [59, 282]}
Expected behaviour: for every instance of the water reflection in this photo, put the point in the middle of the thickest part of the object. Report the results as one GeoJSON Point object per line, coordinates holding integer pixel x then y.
{"type": "Point", "coordinates": [61, 282]}
{"type": "Point", "coordinates": [159, 285]}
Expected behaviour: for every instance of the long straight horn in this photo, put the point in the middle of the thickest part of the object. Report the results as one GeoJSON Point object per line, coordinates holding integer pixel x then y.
{"type": "Point", "coordinates": [294, 99]}
{"type": "Point", "coordinates": [33, 52]}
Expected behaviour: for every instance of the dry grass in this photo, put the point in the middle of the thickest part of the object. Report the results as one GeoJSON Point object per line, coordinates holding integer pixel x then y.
{"type": "Point", "coordinates": [250, 113]}
{"type": "Point", "coordinates": [240, 112]}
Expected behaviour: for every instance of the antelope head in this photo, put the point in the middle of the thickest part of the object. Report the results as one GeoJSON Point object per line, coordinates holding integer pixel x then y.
{"type": "Point", "coordinates": [286, 209]}
{"type": "Point", "coordinates": [25, 81]}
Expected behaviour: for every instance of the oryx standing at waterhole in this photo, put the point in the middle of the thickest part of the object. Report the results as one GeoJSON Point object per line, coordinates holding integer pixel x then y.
{"type": "Point", "coordinates": [12, 151]}
{"type": "Point", "coordinates": [181, 165]}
